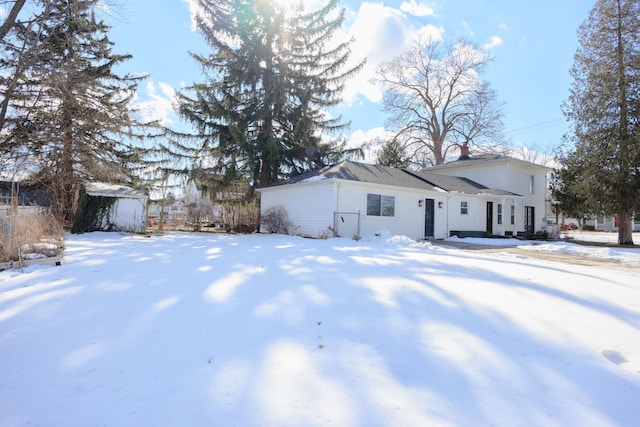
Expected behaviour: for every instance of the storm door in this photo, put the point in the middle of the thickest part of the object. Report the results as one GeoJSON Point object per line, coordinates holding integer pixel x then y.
{"type": "Point", "coordinates": [529, 215]}
{"type": "Point", "coordinates": [428, 218]}
{"type": "Point", "coordinates": [490, 217]}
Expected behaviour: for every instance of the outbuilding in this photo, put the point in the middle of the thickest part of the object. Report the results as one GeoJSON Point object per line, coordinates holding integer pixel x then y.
{"type": "Point", "coordinates": [110, 207]}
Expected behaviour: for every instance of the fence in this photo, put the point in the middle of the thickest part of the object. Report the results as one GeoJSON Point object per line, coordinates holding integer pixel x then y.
{"type": "Point", "coordinates": [346, 224]}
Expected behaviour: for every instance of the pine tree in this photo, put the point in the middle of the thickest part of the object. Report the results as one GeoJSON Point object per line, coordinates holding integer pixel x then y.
{"type": "Point", "coordinates": [569, 192]}
{"type": "Point", "coordinates": [392, 154]}
{"type": "Point", "coordinates": [70, 111]}
{"type": "Point", "coordinates": [603, 108]}
{"type": "Point", "coordinates": [269, 77]}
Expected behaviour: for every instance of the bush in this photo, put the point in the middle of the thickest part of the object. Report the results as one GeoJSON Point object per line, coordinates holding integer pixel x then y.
{"type": "Point", "coordinates": [276, 220]}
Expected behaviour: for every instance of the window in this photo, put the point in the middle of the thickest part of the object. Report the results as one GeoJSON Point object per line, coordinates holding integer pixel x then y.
{"type": "Point", "coordinates": [378, 205]}
{"type": "Point", "coordinates": [464, 208]}
{"type": "Point", "coordinates": [499, 213]}
{"type": "Point", "coordinates": [531, 184]}
{"type": "Point", "coordinates": [513, 214]}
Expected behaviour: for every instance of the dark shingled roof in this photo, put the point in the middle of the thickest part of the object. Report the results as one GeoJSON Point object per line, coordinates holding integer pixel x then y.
{"type": "Point", "coordinates": [457, 184]}
{"type": "Point", "coordinates": [27, 194]}
{"type": "Point", "coordinates": [362, 172]}
{"type": "Point", "coordinates": [376, 174]}
{"type": "Point", "coordinates": [482, 158]}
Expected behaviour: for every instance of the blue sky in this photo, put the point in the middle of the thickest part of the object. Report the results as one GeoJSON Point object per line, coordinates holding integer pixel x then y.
{"type": "Point", "coordinates": [532, 44]}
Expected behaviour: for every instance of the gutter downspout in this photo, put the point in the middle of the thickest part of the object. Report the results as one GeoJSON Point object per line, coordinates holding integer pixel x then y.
{"type": "Point", "coordinates": [448, 231]}
{"type": "Point", "coordinates": [336, 204]}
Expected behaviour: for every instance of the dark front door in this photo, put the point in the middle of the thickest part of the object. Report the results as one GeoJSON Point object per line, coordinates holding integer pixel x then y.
{"type": "Point", "coordinates": [490, 217]}
{"type": "Point", "coordinates": [529, 215]}
{"type": "Point", "coordinates": [428, 217]}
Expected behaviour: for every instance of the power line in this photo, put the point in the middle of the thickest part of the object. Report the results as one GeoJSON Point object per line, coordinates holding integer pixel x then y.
{"type": "Point", "coordinates": [535, 127]}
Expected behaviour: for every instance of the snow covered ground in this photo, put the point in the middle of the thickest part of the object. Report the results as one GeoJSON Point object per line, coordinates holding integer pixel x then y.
{"type": "Point", "coordinates": [626, 256]}
{"type": "Point", "coordinates": [268, 330]}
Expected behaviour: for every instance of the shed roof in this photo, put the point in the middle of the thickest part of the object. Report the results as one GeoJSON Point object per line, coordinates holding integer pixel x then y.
{"type": "Point", "coordinates": [102, 189]}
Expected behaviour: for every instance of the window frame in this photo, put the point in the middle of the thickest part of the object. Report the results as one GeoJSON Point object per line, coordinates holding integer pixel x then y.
{"type": "Point", "coordinates": [531, 184]}
{"type": "Point", "coordinates": [464, 207]}
{"type": "Point", "coordinates": [385, 205]}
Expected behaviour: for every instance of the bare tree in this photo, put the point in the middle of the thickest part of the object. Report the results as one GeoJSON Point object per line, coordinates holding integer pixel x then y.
{"type": "Point", "coordinates": [534, 154]}
{"type": "Point", "coordinates": [437, 100]}
{"type": "Point", "coordinates": [19, 50]}
{"type": "Point", "coordinates": [11, 18]}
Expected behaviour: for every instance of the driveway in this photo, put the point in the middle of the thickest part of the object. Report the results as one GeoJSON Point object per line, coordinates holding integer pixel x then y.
{"type": "Point", "coordinates": [590, 261]}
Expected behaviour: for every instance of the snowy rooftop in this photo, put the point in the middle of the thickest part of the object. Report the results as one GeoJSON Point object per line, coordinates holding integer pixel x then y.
{"type": "Point", "coordinates": [113, 190]}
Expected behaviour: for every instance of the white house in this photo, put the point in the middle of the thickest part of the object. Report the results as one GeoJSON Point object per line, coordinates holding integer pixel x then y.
{"type": "Point", "coordinates": [529, 212]}
{"type": "Point", "coordinates": [611, 223]}
{"type": "Point", "coordinates": [355, 199]}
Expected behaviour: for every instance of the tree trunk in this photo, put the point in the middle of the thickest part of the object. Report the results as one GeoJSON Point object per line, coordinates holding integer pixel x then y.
{"type": "Point", "coordinates": [625, 229]}
{"type": "Point", "coordinates": [266, 173]}
{"type": "Point", "coordinates": [67, 188]}
{"type": "Point", "coordinates": [11, 18]}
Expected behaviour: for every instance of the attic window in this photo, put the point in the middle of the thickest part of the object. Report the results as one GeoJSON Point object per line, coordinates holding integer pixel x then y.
{"type": "Point", "coordinates": [379, 205]}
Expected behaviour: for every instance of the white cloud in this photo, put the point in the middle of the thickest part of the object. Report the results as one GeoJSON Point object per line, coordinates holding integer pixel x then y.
{"type": "Point", "coordinates": [416, 9]}
{"type": "Point", "coordinates": [494, 42]}
{"type": "Point", "coordinates": [378, 135]}
{"type": "Point", "coordinates": [503, 26]}
{"type": "Point", "coordinates": [360, 137]}
{"type": "Point", "coordinates": [158, 106]}
{"type": "Point", "coordinates": [194, 11]}
{"type": "Point", "coordinates": [467, 28]}
{"type": "Point", "coordinates": [381, 33]}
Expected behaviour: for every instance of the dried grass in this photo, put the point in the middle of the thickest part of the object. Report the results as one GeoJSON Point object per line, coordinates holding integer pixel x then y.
{"type": "Point", "coordinates": [27, 236]}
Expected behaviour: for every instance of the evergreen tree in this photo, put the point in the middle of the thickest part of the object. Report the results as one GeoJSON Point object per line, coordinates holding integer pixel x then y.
{"type": "Point", "coordinates": [70, 111]}
{"type": "Point", "coordinates": [570, 193]}
{"type": "Point", "coordinates": [271, 73]}
{"type": "Point", "coordinates": [392, 154]}
{"type": "Point", "coordinates": [604, 109]}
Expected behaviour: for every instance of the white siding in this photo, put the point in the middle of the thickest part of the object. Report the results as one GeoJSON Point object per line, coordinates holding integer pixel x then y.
{"type": "Point", "coordinates": [409, 215]}
{"type": "Point", "coordinates": [311, 208]}
{"type": "Point", "coordinates": [506, 226]}
{"type": "Point", "coordinates": [310, 205]}
{"type": "Point", "coordinates": [442, 209]}
{"type": "Point", "coordinates": [474, 220]}
{"type": "Point", "coordinates": [510, 175]}
{"type": "Point", "coordinates": [130, 214]}
{"type": "Point", "coordinates": [489, 175]}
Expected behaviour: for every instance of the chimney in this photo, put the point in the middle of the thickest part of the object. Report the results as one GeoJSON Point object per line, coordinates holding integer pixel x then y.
{"type": "Point", "coordinates": [464, 152]}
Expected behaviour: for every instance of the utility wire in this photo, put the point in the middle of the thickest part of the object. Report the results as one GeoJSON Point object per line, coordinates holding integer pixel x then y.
{"type": "Point", "coordinates": [534, 127]}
